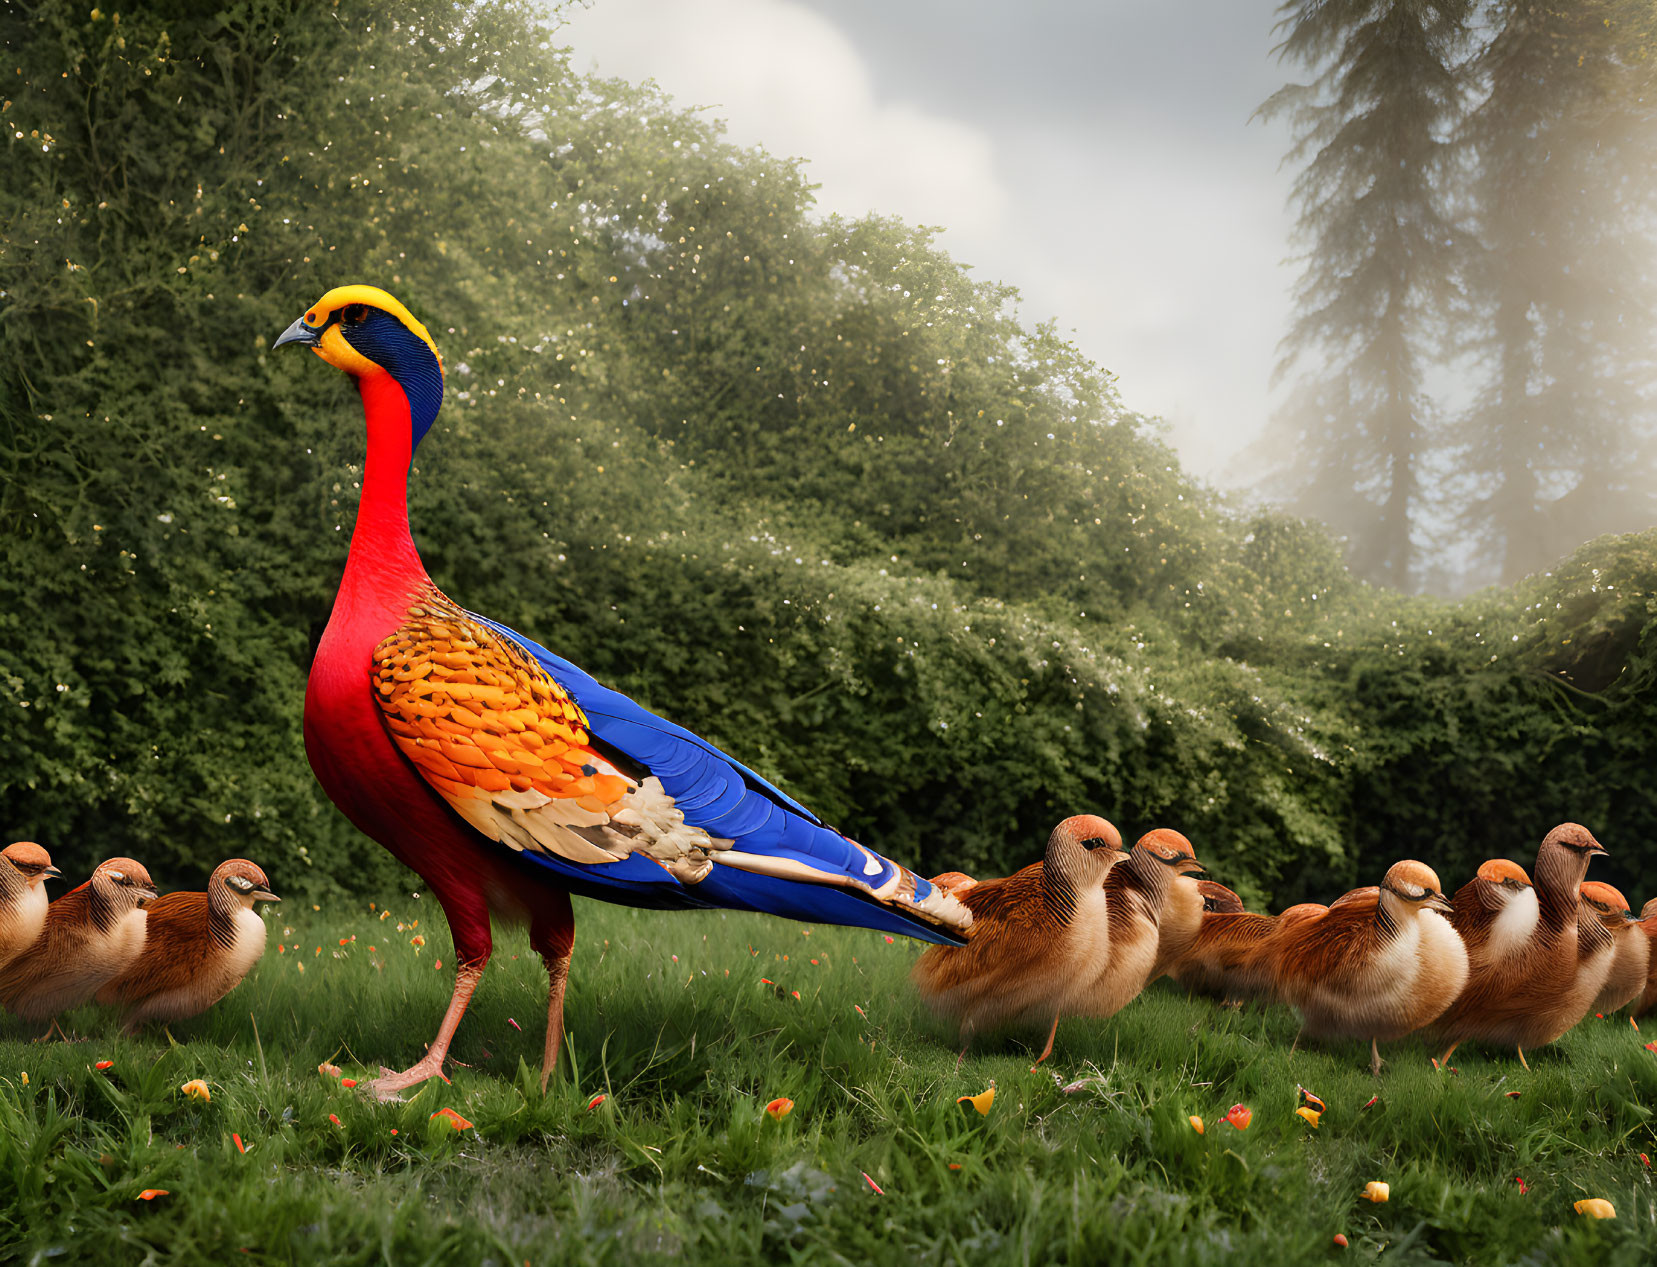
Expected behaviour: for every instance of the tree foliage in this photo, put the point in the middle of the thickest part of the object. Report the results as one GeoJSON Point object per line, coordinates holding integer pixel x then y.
{"type": "Point", "coordinates": [1381, 254]}
{"type": "Point", "coordinates": [1561, 442]}
{"type": "Point", "coordinates": [801, 484]}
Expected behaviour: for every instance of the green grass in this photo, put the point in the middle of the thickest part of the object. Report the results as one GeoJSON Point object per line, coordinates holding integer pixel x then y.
{"type": "Point", "coordinates": [681, 1162]}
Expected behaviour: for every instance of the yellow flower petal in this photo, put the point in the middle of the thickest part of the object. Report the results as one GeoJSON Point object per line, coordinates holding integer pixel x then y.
{"type": "Point", "coordinates": [1596, 1208]}
{"type": "Point", "coordinates": [981, 1101]}
{"type": "Point", "coordinates": [1311, 1115]}
{"type": "Point", "coordinates": [1377, 1191]}
{"type": "Point", "coordinates": [196, 1089]}
{"type": "Point", "coordinates": [1196, 1123]}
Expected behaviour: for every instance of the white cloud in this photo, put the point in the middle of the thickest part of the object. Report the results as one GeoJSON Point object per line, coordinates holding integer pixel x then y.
{"type": "Point", "coordinates": [785, 78]}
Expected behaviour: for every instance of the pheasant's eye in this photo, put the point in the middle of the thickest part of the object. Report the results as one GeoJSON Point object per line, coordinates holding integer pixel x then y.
{"type": "Point", "coordinates": [354, 314]}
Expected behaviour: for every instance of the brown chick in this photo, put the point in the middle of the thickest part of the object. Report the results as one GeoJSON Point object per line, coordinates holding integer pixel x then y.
{"type": "Point", "coordinates": [91, 935]}
{"type": "Point", "coordinates": [1181, 917]}
{"type": "Point", "coordinates": [24, 869]}
{"type": "Point", "coordinates": [1370, 967]}
{"type": "Point", "coordinates": [1526, 989]}
{"type": "Point", "coordinates": [1138, 894]}
{"type": "Point", "coordinates": [1631, 952]}
{"type": "Point", "coordinates": [1030, 932]}
{"type": "Point", "coordinates": [1648, 926]}
{"type": "Point", "coordinates": [1496, 914]}
{"type": "Point", "coordinates": [1225, 935]}
{"type": "Point", "coordinates": [199, 947]}
{"type": "Point", "coordinates": [956, 882]}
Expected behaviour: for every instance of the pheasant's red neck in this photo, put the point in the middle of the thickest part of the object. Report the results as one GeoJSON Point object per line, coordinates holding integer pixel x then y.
{"type": "Point", "coordinates": [383, 556]}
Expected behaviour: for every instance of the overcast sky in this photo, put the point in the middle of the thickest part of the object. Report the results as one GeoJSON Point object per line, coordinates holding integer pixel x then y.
{"type": "Point", "coordinates": [1096, 154]}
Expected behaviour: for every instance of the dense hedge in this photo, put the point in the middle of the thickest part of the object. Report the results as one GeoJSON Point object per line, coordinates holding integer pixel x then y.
{"type": "Point", "coordinates": [800, 484]}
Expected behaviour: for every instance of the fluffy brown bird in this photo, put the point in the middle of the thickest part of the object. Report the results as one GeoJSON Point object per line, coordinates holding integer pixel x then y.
{"type": "Point", "coordinates": [1525, 989]}
{"type": "Point", "coordinates": [1648, 926]}
{"type": "Point", "coordinates": [91, 935]}
{"type": "Point", "coordinates": [956, 882]}
{"type": "Point", "coordinates": [1182, 912]}
{"type": "Point", "coordinates": [1371, 966]}
{"type": "Point", "coordinates": [1138, 895]}
{"type": "Point", "coordinates": [1227, 933]}
{"type": "Point", "coordinates": [24, 869]}
{"type": "Point", "coordinates": [199, 947]}
{"type": "Point", "coordinates": [1496, 914]}
{"type": "Point", "coordinates": [1031, 932]}
{"type": "Point", "coordinates": [1625, 981]}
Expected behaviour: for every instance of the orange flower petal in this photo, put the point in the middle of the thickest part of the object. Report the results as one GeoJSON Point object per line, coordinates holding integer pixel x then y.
{"type": "Point", "coordinates": [597, 1100]}
{"type": "Point", "coordinates": [779, 1108]}
{"type": "Point", "coordinates": [454, 1119]}
{"type": "Point", "coordinates": [104, 1064]}
{"type": "Point", "coordinates": [150, 1194]}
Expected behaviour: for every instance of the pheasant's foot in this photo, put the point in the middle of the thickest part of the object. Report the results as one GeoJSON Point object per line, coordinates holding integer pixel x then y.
{"type": "Point", "coordinates": [1045, 1051]}
{"type": "Point", "coordinates": [1522, 1059]}
{"type": "Point", "coordinates": [388, 1085]}
{"type": "Point", "coordinates": [1375, 1061]}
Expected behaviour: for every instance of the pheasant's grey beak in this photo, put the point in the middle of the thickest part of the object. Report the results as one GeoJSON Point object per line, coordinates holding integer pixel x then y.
{"type": "Point", "coordinates": [263, 895]}
{"type": "Point", "coordinates": [145, 897]}
{"type": "Point", "coordinates": [1438, 902]}
{"type": "Point", "coordinates": [51, 873]}
{"type": "Point", "coordinates": [299, 333]}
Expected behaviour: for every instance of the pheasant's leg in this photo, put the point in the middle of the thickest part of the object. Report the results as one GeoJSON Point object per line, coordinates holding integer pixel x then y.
{"type": "Point", "coordinates": [1375, 1061]}
{"type": "Point", "coordinates": [1449, 1051]}
{"type": "Point", "coordinates": [1295, 1046]}
{"type": "Point", "coordinates": [1047, 1050]}
{"type": "Point", "coordinates": [966, 1041]}
{"type": "Point", "coordinates": [552, 936]}
{"type": "Point", "coordinates": [558, 975]}
{"type": "Point", "coordinates": [53, 1028]}
{"type": "Point", "coordinates": [1522, 1059]}
{"type": "Point", "coordinates": [430, 1065]}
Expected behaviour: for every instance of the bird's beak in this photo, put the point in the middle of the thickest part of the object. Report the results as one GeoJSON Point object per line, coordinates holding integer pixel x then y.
{"type": "Point", "coordinates": [263, 895]}
{"type": "Point", "coordinates": [1438, 902]}
{"type": "Point", "coordinates": [1192, 867]}
{"type": "Point", "coordinates": [51, 873]}
{"type": "Point", "coordinates": [145, 897]}
{"type": "Point", "coordinates": [299, 333]}
{"type": "Point", "coordinates": [1598, 850]}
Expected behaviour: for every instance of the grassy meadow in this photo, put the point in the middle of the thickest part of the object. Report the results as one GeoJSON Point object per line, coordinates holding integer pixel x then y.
{"type": "Point", "coordinates": [690, 1025]}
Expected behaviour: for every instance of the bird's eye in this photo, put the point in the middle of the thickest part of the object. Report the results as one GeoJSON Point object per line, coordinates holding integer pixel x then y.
{"type": "Point", "coordinates": [310, 318]}
{"type": "Point", "coordinates": [1094, 842]}
{"type": "Point", "coordinates": [354, 314]}
{"type": "Point", "coordinates": [118, 876]}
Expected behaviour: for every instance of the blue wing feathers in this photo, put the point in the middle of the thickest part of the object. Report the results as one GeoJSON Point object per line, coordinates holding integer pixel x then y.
{"type": "Point", "coordinates": [729, 801]}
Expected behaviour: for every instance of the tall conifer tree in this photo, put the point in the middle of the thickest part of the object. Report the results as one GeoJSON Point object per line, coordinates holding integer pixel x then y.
{"type": "Point", "coordinates": [1373, 128]}
{"type": "Point", "coordinates": [1557, 445]}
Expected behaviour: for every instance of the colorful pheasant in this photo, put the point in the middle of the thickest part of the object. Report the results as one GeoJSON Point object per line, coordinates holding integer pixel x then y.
{"type": "Point", "coordinates": [507, 777]}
